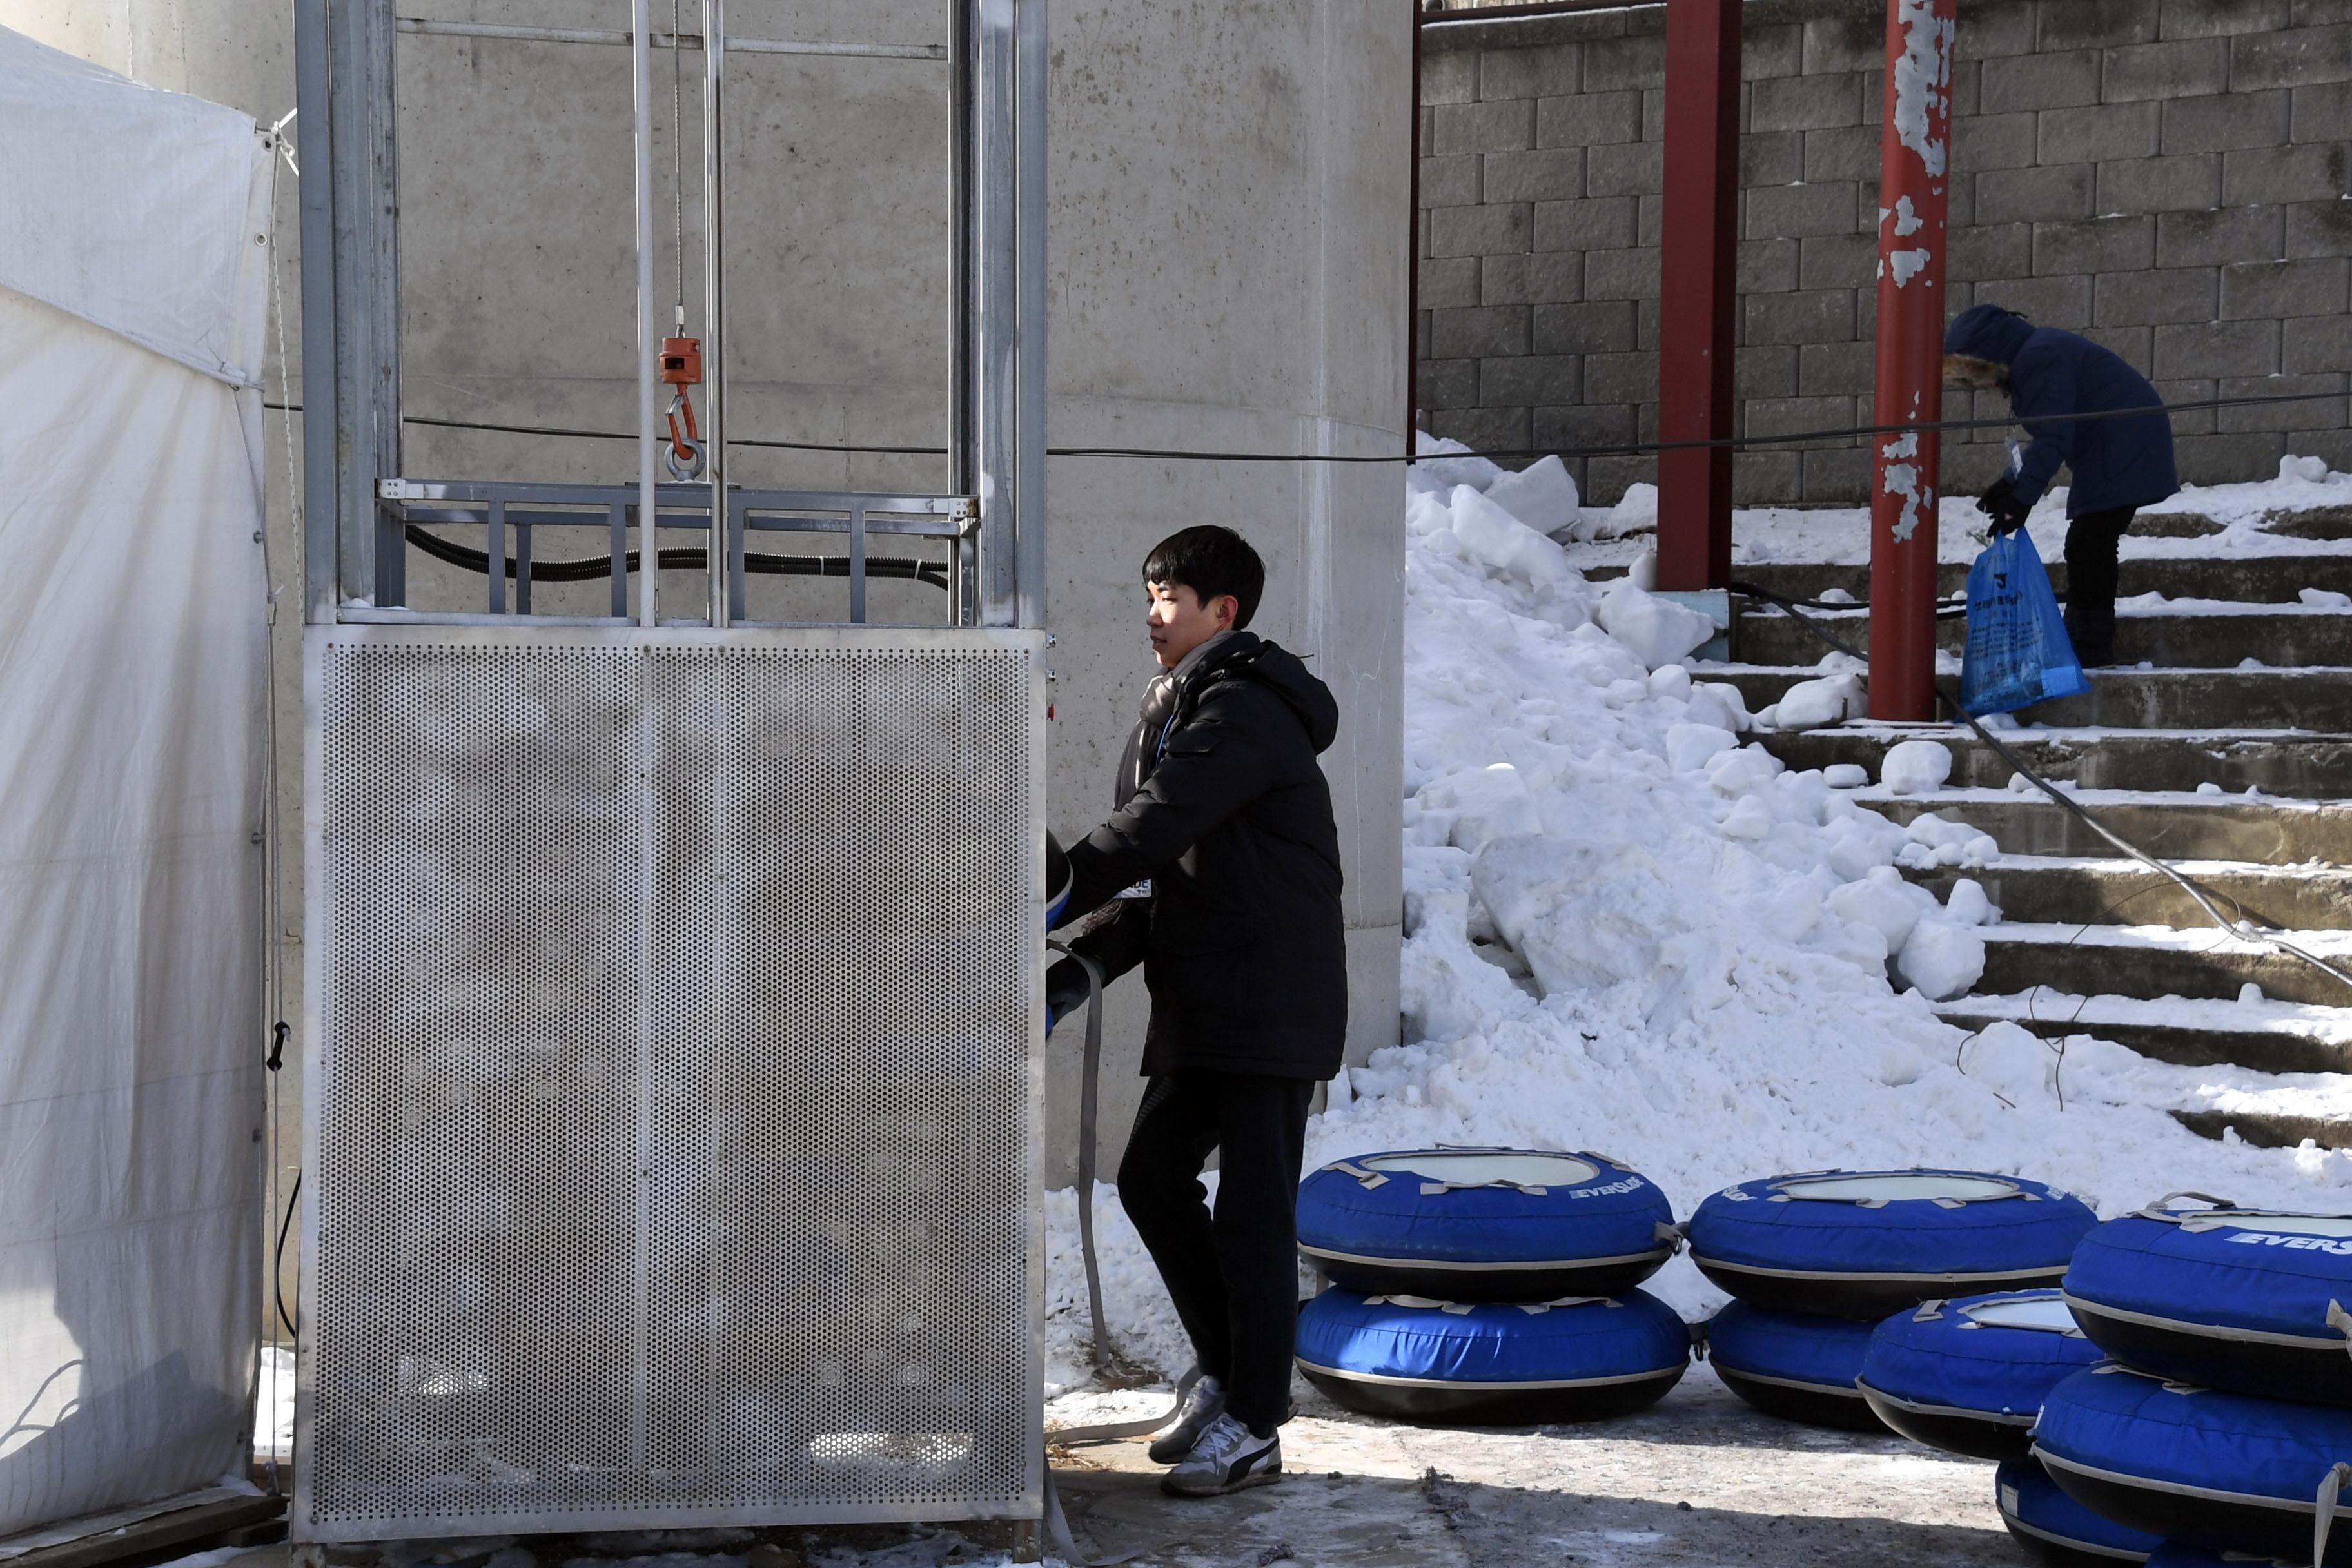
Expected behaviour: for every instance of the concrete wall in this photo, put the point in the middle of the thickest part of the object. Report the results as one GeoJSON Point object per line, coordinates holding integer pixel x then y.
{"type": "Point", "coordinates": [2168, 176]}
{"type": "Point", "coordinates": [1228, 272]}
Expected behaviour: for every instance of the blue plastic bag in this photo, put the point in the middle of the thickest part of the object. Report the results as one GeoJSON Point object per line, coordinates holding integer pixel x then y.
{"type": "Point", "coordinates": [2018, 653]}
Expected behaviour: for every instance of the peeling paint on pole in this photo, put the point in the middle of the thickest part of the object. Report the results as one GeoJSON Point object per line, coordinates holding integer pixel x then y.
{"type": "Point", "coordinates": [1913, 201]}
{"type": "Point", "coordinates": [1919, 75]}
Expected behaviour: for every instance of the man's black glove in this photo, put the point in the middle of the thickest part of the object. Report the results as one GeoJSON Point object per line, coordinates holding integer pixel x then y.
{"type": "Point", "coordinates": [2000, 504]}
{"type": "Point", "coordinates": [1065, 991]}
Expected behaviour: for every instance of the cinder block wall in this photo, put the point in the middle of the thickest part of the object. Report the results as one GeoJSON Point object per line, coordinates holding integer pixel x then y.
{"type": "Point", "coordinates": [2169, 177]}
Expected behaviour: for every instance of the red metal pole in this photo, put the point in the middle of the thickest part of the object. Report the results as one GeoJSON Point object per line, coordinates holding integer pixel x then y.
{"type": "Point", "coordinates": [1913, 174]}
{"type": "Point", "coordinates": [1697, 297]}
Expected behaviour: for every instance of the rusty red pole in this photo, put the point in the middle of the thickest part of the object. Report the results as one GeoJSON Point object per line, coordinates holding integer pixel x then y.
{"type": "Point", "coordinates": [1914, 174]}
{"type": "Point", "coordinates": [1698, 299]}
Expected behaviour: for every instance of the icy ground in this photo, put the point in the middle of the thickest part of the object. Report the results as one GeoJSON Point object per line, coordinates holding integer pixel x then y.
{"type": "Point", "coordinates": [1626, 931]}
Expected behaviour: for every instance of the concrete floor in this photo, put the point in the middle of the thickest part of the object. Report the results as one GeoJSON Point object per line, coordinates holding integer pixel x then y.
{"type": "Point", "coordinates": [1699, 1480]}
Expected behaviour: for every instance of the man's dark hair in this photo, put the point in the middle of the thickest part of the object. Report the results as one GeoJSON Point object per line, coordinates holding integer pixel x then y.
{"type": "Point", "coordinates": [1213, 561]}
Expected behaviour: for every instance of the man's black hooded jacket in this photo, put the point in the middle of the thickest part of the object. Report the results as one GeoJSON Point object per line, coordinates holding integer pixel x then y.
{"type": "Point", "coordinates": [1225, 811]}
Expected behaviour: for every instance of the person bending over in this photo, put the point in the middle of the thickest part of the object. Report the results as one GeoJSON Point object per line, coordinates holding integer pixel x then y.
{"type": "Point", "coordinates": [1224, 829]}
{"type": "Point", "coordinates": [2119, 464]}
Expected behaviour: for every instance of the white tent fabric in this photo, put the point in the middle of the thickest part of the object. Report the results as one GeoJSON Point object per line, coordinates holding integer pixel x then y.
{"type": "Point", "coordinates": [132, 661]}
{"type": "Point", "coordinates": [137, 210]}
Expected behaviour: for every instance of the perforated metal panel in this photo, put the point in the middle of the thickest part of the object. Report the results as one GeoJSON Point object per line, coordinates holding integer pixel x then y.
{"type": "Point", "coordinates": [673, 1038]}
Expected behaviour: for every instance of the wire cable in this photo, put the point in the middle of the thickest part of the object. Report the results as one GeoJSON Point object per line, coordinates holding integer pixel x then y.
{"type": "Point", "coordinates": [1616, 450]}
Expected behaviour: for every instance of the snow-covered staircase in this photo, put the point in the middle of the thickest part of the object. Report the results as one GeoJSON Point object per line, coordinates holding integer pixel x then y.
{"type": "Point", "coordinates": [2230, 752]}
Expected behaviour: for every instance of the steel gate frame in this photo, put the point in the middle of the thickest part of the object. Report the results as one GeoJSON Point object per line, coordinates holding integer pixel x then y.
{"type": "Point", "coordinates": [358, 504]}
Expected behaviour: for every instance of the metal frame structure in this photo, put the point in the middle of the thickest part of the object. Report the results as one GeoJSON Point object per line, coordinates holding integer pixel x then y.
{"type": "Point", "coordinates": [358, 500]}
{"type": "Point", "coordinates": [658, 765]}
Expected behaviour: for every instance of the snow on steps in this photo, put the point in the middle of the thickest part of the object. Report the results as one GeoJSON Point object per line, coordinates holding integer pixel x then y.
{"type": "Point", "coordinates": [2268, 579]}
{"type": "Point", "coordinates": [2234, 759]}
{"type": "Point", "coordinates": [2183, 635]}
{"type": "Point", "coordinates": [2276, 761]}
{"type": "Point", "coordinates": [2170, 824]}
{"type": "Point", "coordinates": [2092, 891]}
{"type": "Point", "coordinates": [2315, 699]}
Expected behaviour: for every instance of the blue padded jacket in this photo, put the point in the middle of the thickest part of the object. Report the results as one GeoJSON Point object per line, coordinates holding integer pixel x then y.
{"type": "Point", "coordinates": [2054, 376]}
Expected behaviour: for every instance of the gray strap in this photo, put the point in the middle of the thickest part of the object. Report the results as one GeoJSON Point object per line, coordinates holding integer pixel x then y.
{"type": "Point", "coordinates": [1439, 1189]}
{"type": "Point", "coordinates": [1091, 1073]}
{"type": "Point", "coordinates": [1368, 1180]}
{"type": "Point", "coordinates": [2161, 1209]}
{"type": "Point", "coordinates": [2323, 1517]}
{"type": "Point", "coordinates": [1089, 1078]}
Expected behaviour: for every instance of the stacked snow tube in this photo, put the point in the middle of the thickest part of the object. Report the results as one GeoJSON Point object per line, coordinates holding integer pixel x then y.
{"type": "Point", "coordinates": [1815, 1259]}
{"type": "Point", "coordinates": [2056, 1529]}
{"type": "Point", "coordinates": [1422, 1359]}
{"type": "Point", "coordinates": [1969, 1376]}
{"type": "Point", "coordinates": [2224, 1423]}
{"type": "Point", "coordinates": [1484, 1224]}
{"type": "Point", "coordinates": [1487, 1285]}
{"type": "Point", "coordinates": [1794, 1365]}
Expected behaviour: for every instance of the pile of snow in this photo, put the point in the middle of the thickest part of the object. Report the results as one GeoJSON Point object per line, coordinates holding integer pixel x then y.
{"type": "Point", "coordinates": [1625, 930]}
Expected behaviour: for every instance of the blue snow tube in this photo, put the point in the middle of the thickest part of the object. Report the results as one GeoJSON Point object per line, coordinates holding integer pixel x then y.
{"type": "Point", "coordinates": [1484, 1224]}
{"type": "Point", "coordinates": [1968, 1376]}
{"type": "Point", "coordinates": [2055, 1528]}
{"type": "Point", "coordinates": [1792, 1365]}
{"type": "Point", "coordinates": [2246, 1300]}
{"type": "Point", "coordinates": [1863, 1244]}
{"type": "Point", "coordinates": [1421, 1360]}
{"type": "Point", "coordinates": [2215, 1470]}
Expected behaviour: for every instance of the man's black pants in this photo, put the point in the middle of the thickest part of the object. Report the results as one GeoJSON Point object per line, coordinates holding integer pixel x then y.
{"type": "Point", "coordinates": [1234, 1276]}
{"type": "Point", "coordinates": [2091, 572]}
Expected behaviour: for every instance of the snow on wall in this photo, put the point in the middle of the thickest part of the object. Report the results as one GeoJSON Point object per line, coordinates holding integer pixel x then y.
{"type": "Point", "coordinates": [1626, 931]}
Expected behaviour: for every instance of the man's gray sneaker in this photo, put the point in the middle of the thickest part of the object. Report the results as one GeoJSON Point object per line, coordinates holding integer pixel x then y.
{"type": "Point", "coordinates": [1204, 1403]}
{"type": "Point", "coordinates": [1227, 1459]}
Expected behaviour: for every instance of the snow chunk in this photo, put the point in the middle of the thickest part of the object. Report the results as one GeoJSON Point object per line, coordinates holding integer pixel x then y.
{"type": "Point", "coordinates": [1915, 767]}
{"type": "Point", "coordinates": [2309, 470]}
{"type": "Point", "coordinates": [1968, 904]}
{"type": "Point", "coordinates": [2323, 598]}
{"type": "Point", "coordinates": [1542, 496]}
{"type": "Point", "coordinates": [1845, 775]}
{"type": "Point", "coordinates": [1883, 901]}
{"type": "Point", "coordinates": [1496, 539]}
{"type": "Point", "coordinates": [1690, 746]}
{"type": "Point", "coordinates": [1743, 772]}
{"type": "Point", "coordinates": [1655, 631]}
{"type": "Point", "coordinates": [1812, 704]}
{"type": "Point", "coordinates": [1441, 465]}
{"type": "Point", "coordinates": [1942, 960]}
{"type": "Point", "coordinates": [2013, 1062]}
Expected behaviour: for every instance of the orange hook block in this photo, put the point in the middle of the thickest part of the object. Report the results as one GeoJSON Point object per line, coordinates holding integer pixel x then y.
{"type": "Point", "coordinates": [681, 361]}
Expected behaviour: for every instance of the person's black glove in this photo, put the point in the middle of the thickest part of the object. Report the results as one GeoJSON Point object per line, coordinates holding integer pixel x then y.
{"type": "Point", "coordinates": [1065, 991]}
{"type": "Point", "coordinates": [2000, 504]}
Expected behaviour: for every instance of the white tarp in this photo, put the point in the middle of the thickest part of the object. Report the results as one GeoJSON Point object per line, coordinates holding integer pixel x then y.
{"type": "Point", "coordinates": [131, 689]}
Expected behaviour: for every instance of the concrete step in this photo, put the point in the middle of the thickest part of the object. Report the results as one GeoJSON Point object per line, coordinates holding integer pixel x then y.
{"type": "Point", "coordinates": [2188, 640]}
{"type": "Point", "coordinates": [2152, 962]}
{"type": "Point", "coordinates": [2269, 1128]}
{"type": "Point", "coordinates": [2172, 827]}
{"type": "Point", "coordinates": [2314, 700]}
{"type": "Point", "coordinates": [2285, 762]}
{"type": "Point", "coordinates": [2252, 579]}
{"type": "Point", "coordinates": [2188, 1033]}
{"type": "Point", "coordinates": [2090, 891]}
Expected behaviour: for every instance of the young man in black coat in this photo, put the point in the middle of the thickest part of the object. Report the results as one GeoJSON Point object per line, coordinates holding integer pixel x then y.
{"type": "Point", "coordinates": [1222, 870]}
